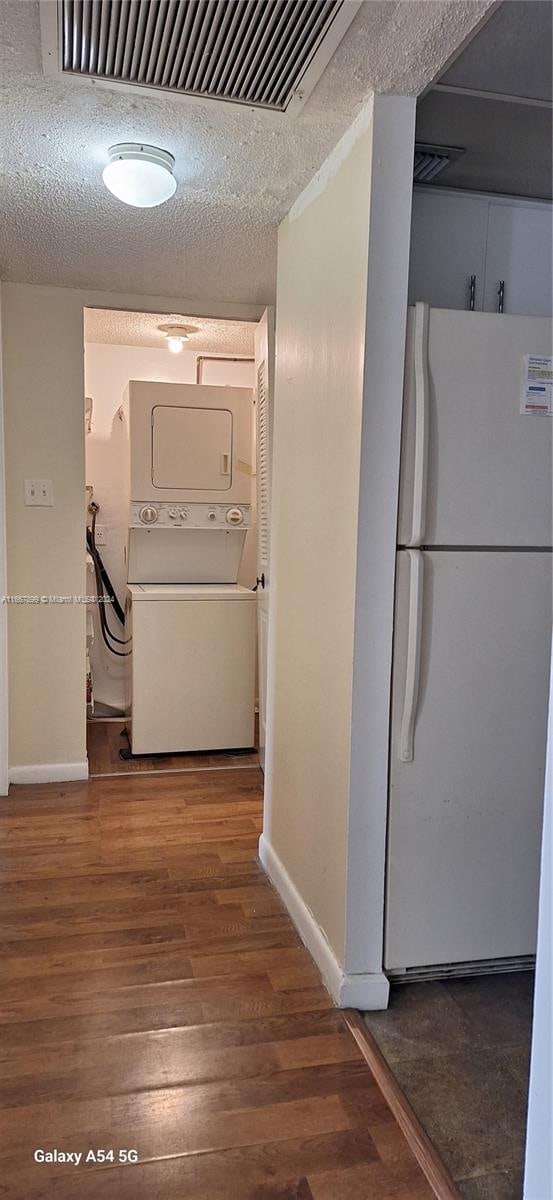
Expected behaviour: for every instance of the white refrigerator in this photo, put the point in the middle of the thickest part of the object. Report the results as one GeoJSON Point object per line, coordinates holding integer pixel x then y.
{"type": "Point", "coordinates": [471, 644]}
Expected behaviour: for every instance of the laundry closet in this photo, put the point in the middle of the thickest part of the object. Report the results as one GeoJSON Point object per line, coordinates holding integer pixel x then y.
{"type": "Point", "coordinates": [171, 506]}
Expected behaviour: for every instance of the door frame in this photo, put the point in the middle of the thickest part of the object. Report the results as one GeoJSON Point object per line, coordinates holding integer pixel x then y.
{"type": "Point", "coordinates": [4, 781]}
{"type": "Point", "coordinates": [222, 311]}
{"type": "Point", "coordinates": [264, 353]}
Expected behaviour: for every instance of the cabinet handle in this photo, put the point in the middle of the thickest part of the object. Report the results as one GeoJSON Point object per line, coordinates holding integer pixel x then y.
{"type": "Point", "coordinates": [472, 292]}
{"type": "Point", "coordinates": [501, 296]}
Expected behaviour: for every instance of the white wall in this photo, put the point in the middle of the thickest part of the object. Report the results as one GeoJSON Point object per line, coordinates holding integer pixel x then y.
{"type": "Point", "coordinates": [387, 282]}
{"type": "Point", "coordinates": [42, 335]}
{"type": "Point", "coordinates": [108, 369]}
{"type": "Point", "coordinates": [43, 376]}
{"type": "Point", "coordinates": [538, 1176]}
{"type": "Point", "coordinates": [320, 321]}
{"type": "Point", "coordinates": [341, 303]}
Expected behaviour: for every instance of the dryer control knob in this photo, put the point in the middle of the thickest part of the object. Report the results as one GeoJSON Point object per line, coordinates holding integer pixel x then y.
{"type": "Point", "coordinates": [148, 514]}
{"type": "Point", "coordinates": [173, 514]}
{"type": "Point", "coordinates": [184, 513]}
{"type": "Point", "coordinates": [235, 516]}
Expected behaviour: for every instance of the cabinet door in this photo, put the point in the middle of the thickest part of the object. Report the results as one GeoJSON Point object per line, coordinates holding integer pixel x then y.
{"type": "Point", "coordinates": [519, 251]}
{"type": "Point", "coordinates": [448, 245]}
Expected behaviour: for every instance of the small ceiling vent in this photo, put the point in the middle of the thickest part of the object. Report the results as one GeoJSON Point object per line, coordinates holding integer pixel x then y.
{"type": "Point", "coordinates": [265, 53]}
{"type": "Point", "coordinates": [431, 161]}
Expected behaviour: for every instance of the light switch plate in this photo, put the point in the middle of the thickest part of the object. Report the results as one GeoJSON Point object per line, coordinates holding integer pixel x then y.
{"type": "Point", "coordinates": [39, 492]}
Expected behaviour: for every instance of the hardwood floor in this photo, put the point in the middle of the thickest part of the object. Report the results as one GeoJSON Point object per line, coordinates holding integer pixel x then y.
{"type": "Point", "coordinates": [156, 999]}
{"type": "Point", "coordinates": [105, 740]}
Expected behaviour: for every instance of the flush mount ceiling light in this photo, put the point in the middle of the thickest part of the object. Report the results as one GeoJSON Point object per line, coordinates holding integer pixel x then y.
{"type": "Point", "coordinates": [176, 336]}
{"type": "Point", "coordinates": [139, 175]}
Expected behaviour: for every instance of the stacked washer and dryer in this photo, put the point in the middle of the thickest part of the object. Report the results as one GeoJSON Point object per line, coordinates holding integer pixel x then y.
{"type": "Point", "coordinates": [191, 683]}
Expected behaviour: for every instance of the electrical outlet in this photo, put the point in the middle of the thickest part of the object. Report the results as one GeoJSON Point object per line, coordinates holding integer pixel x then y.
{"type": "Point", "coordinates": [101, 535]}
{"type": "Point", "coordinates": [39, 492]}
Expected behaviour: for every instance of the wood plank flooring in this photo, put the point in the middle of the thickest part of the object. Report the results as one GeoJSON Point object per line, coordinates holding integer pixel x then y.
{"type": "Point", "coordinates": [156, 999]}
{"type": "Point", "coordinates": [104, 741]}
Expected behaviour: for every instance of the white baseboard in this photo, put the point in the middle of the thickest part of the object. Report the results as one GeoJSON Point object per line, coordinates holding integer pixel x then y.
{"type": "Point", "coordinates": [49, 772]}
{"type": "Point", "coordinates": [369, 991]}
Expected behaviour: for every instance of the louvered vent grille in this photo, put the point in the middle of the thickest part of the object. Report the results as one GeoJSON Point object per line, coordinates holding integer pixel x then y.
{"type": "Point", "coordinates": [262, 470]}
{"type": "Point", "coordinates": [247, 51]}
{"type": "Point", "coordinates": [430, 161]}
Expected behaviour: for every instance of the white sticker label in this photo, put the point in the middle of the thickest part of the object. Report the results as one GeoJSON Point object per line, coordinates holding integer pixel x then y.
{"type": "Point", "coordinates": [536, 396]}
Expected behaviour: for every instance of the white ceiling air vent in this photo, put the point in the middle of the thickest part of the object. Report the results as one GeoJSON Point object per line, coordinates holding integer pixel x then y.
{"type": "Point", "coordinates": [264, 53]}
{"type": "Point", "coordinates": [430, 161]}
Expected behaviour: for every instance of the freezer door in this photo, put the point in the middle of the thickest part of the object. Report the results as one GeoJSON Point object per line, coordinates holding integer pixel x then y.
{"type": "Point", "coordinates": [475, 471]}
{"type": "Point", "coordinates": [469, 713]}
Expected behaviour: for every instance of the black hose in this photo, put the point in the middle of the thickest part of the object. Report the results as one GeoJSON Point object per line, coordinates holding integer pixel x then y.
{"type": "Point", "coordinates": [105, 577]}
{"type": "Point", "coordinates": [104, 627]}
{"type": "Point", "coordinates": [103, 585]}
{"type": "Point", "coordinates": [101, 592]}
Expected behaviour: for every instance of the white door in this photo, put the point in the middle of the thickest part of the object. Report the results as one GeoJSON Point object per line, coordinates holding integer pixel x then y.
{"type": "Point", "coordinates": [520, 252]}
{"type": "Point", "coordinates": [264, 382]}
{"type": "Point", "coordinates": [469, 713]}
{"type": "Point", "coordinates": [448, 245]}
{"type": "Point", "coordinates": [475, 471]}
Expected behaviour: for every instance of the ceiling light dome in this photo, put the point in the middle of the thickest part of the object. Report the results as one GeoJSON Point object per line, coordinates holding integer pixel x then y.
{"type": "Point", "coordinates": [140, 175]}
{"type": "Point", "coordinates": [177, 335]}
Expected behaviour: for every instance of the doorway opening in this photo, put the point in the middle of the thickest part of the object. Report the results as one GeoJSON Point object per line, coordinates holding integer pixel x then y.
{"type": "Point", "coordinates": [172, 682]}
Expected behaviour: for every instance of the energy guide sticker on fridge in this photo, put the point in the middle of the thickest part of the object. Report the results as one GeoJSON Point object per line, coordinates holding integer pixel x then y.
{"type": "Point", "coordinates": [536, 397]}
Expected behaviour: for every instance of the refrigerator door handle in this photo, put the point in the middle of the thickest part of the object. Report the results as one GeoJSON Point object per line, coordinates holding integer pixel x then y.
{"type": "Point", "coordinates": [418, 516]}
{"type": "Point", "coordinates": [412, 669]}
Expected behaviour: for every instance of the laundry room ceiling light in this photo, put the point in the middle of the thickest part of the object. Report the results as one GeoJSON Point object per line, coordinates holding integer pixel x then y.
{"type": "Point", "coordinates": [176, 336]}
{"type": "Point", "coordinates": [140, 175]}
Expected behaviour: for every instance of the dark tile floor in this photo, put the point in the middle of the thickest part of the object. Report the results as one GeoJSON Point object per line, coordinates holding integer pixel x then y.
{"type": "Point", "coordinates": [460, 1052]}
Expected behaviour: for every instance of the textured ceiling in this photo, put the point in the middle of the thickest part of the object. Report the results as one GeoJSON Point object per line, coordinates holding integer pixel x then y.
{"type": "Point", "coordinates": [141, 329]}
{"type": "Point", "coordinates": [511, 54]}
{"type": "Point", "coordinates": [238, 169]}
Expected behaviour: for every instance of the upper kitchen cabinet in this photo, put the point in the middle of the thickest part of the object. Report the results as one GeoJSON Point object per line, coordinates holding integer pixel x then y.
{"type": "Point", "coordinates": [455, 235]}
{"type": "Point", "coordinates": [448, 245]}
{"type": "Point", "coordinates": [519, 254]}
{"type": "Point", "coordinates": [483, 169]}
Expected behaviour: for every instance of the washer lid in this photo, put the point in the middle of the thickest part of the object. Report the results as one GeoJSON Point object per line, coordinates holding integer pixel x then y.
{"type": "Point", "coordinates": [189, 591]}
